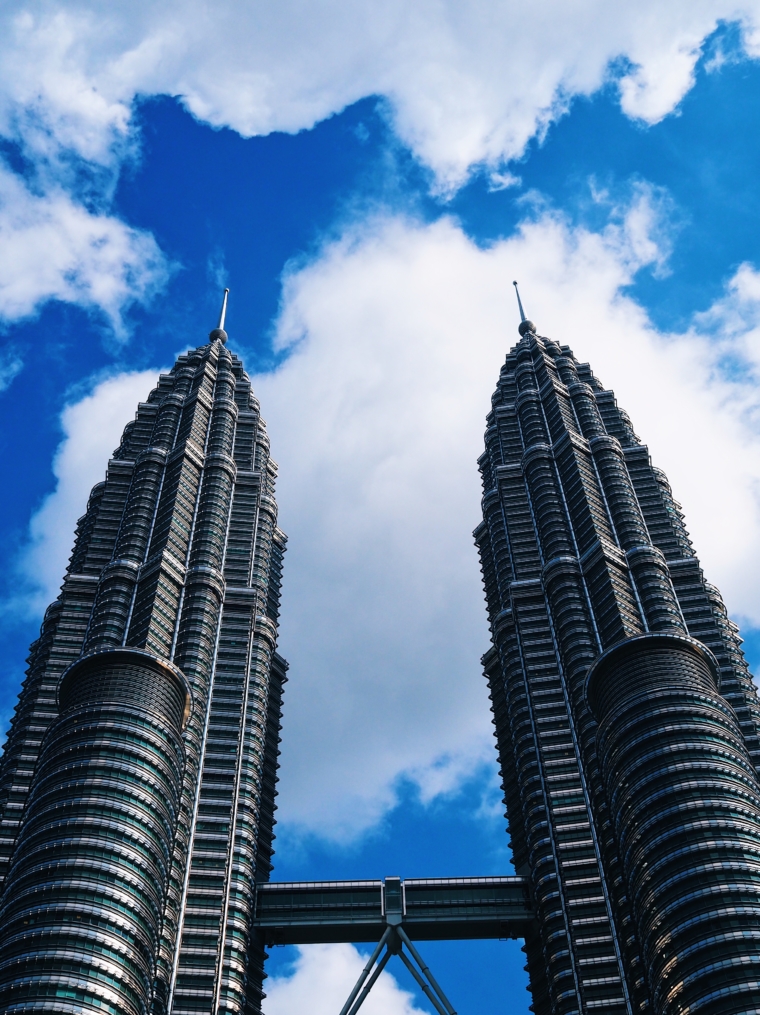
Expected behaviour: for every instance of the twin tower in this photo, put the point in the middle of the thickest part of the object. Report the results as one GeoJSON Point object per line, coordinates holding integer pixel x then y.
{"type": "Point", "coordinates": [137, 787]}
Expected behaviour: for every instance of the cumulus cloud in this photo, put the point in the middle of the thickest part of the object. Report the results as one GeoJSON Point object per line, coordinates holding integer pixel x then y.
{"type": "Point", "coordinates": [321, 980]}
{"type": "Point", "coordinates": [51, 247]}
{"type": "Point", "coordinates": [397, 332]}
{"type": "Point", "coordinates": [467, 83]}
{"type": "Point", "coordinates": [92, 428]}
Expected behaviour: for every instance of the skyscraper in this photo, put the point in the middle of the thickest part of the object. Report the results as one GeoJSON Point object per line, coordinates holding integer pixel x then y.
{"type": "Point", "coordinates": [142, 754]}
{"type": "Point", "coordinates": [626, 719]}
{"type": "Point", "coordinates": [137, 786]}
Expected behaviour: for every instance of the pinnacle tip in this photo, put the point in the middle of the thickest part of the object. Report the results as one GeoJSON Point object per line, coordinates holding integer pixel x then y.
{"type": "Point", "coordinates": [223, 312]}
{"type": "Point", "coordinates": [523, 318]}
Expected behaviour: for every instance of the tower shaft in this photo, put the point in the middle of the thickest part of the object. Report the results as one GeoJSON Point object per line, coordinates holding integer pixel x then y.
{"type": "Point", "coordinates": [175, 571]}
{"type": "Point", "coordinates": [582, 548]}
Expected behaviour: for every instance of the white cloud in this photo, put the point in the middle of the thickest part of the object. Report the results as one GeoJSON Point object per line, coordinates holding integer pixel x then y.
{"type": "Point", "coordinates": [398, 332]}
{"type": "Point", "coordinates": [376, 420]}
{"type": "Point", "coordinates": [53, 248]}
{"type": "Point", "coordinates": [468, 82]}
{"type": "Point", "coordinates": [503, 181]}
{"type": "Point", "coordinates": [92, 428]}
{"type": "Point", "coordinates": [323, 977]}
{"type": "Point", "coordinates": [736, 317]}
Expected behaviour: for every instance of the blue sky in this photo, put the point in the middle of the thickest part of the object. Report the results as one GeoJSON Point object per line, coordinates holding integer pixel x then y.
{"type": "Point", "coordinates": [368, 181]}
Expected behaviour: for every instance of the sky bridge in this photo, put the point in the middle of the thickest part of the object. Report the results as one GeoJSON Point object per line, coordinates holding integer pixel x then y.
{"type": "Point", "coordinates": [393, 913]}
{"type": "Point", "coordinates": [429, 909]}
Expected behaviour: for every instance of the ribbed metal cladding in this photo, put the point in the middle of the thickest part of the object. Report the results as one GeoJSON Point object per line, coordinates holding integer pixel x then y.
{"type": "Point", "coordinates": [82, 911]}
{"type": "Point", "coordinates": [685, 801]}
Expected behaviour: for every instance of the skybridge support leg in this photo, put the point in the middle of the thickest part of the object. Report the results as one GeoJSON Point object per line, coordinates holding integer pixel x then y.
{"type": "Point", "coordinates": [394, 939]}
{"type": "Point", "coordinates": [425, 971]}
{"type": "Point", "coordinates": [346, 1009]}
{"type": "Point", "coordinates": [426, 990]}
{"type": "Point", "coordinates": [370, 982]}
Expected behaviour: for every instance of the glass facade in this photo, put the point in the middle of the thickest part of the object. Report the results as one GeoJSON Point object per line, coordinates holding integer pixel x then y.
{"type": "Point", "coordinates": [632, 794]}
{"type": "Point", "coordinates": [137, 786]}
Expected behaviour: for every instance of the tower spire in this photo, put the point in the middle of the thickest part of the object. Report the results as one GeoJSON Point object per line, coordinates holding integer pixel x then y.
{"type": "Point", "coordinates": [219, 333]}
{"type": "Point", "coordinates": [525, 325]}
{"type": "Point", "coordinates": [223, 311]}
{"type": "Point", "coordinates": [519, 302]}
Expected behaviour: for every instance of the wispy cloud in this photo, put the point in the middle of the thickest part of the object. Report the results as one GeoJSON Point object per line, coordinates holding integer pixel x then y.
{"type": "Point", "coordinates": [11, 366]}
{"type": "Point", "coordinates": [503, 180]}
{"type": "Point", "coordinates": [216, 269]}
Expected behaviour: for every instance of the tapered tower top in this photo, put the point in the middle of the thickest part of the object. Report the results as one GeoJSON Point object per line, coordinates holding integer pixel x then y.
{"type": "Point", "coordinates": [525, 325]}
{"type": "Point", "coordinates": [219, 334]}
